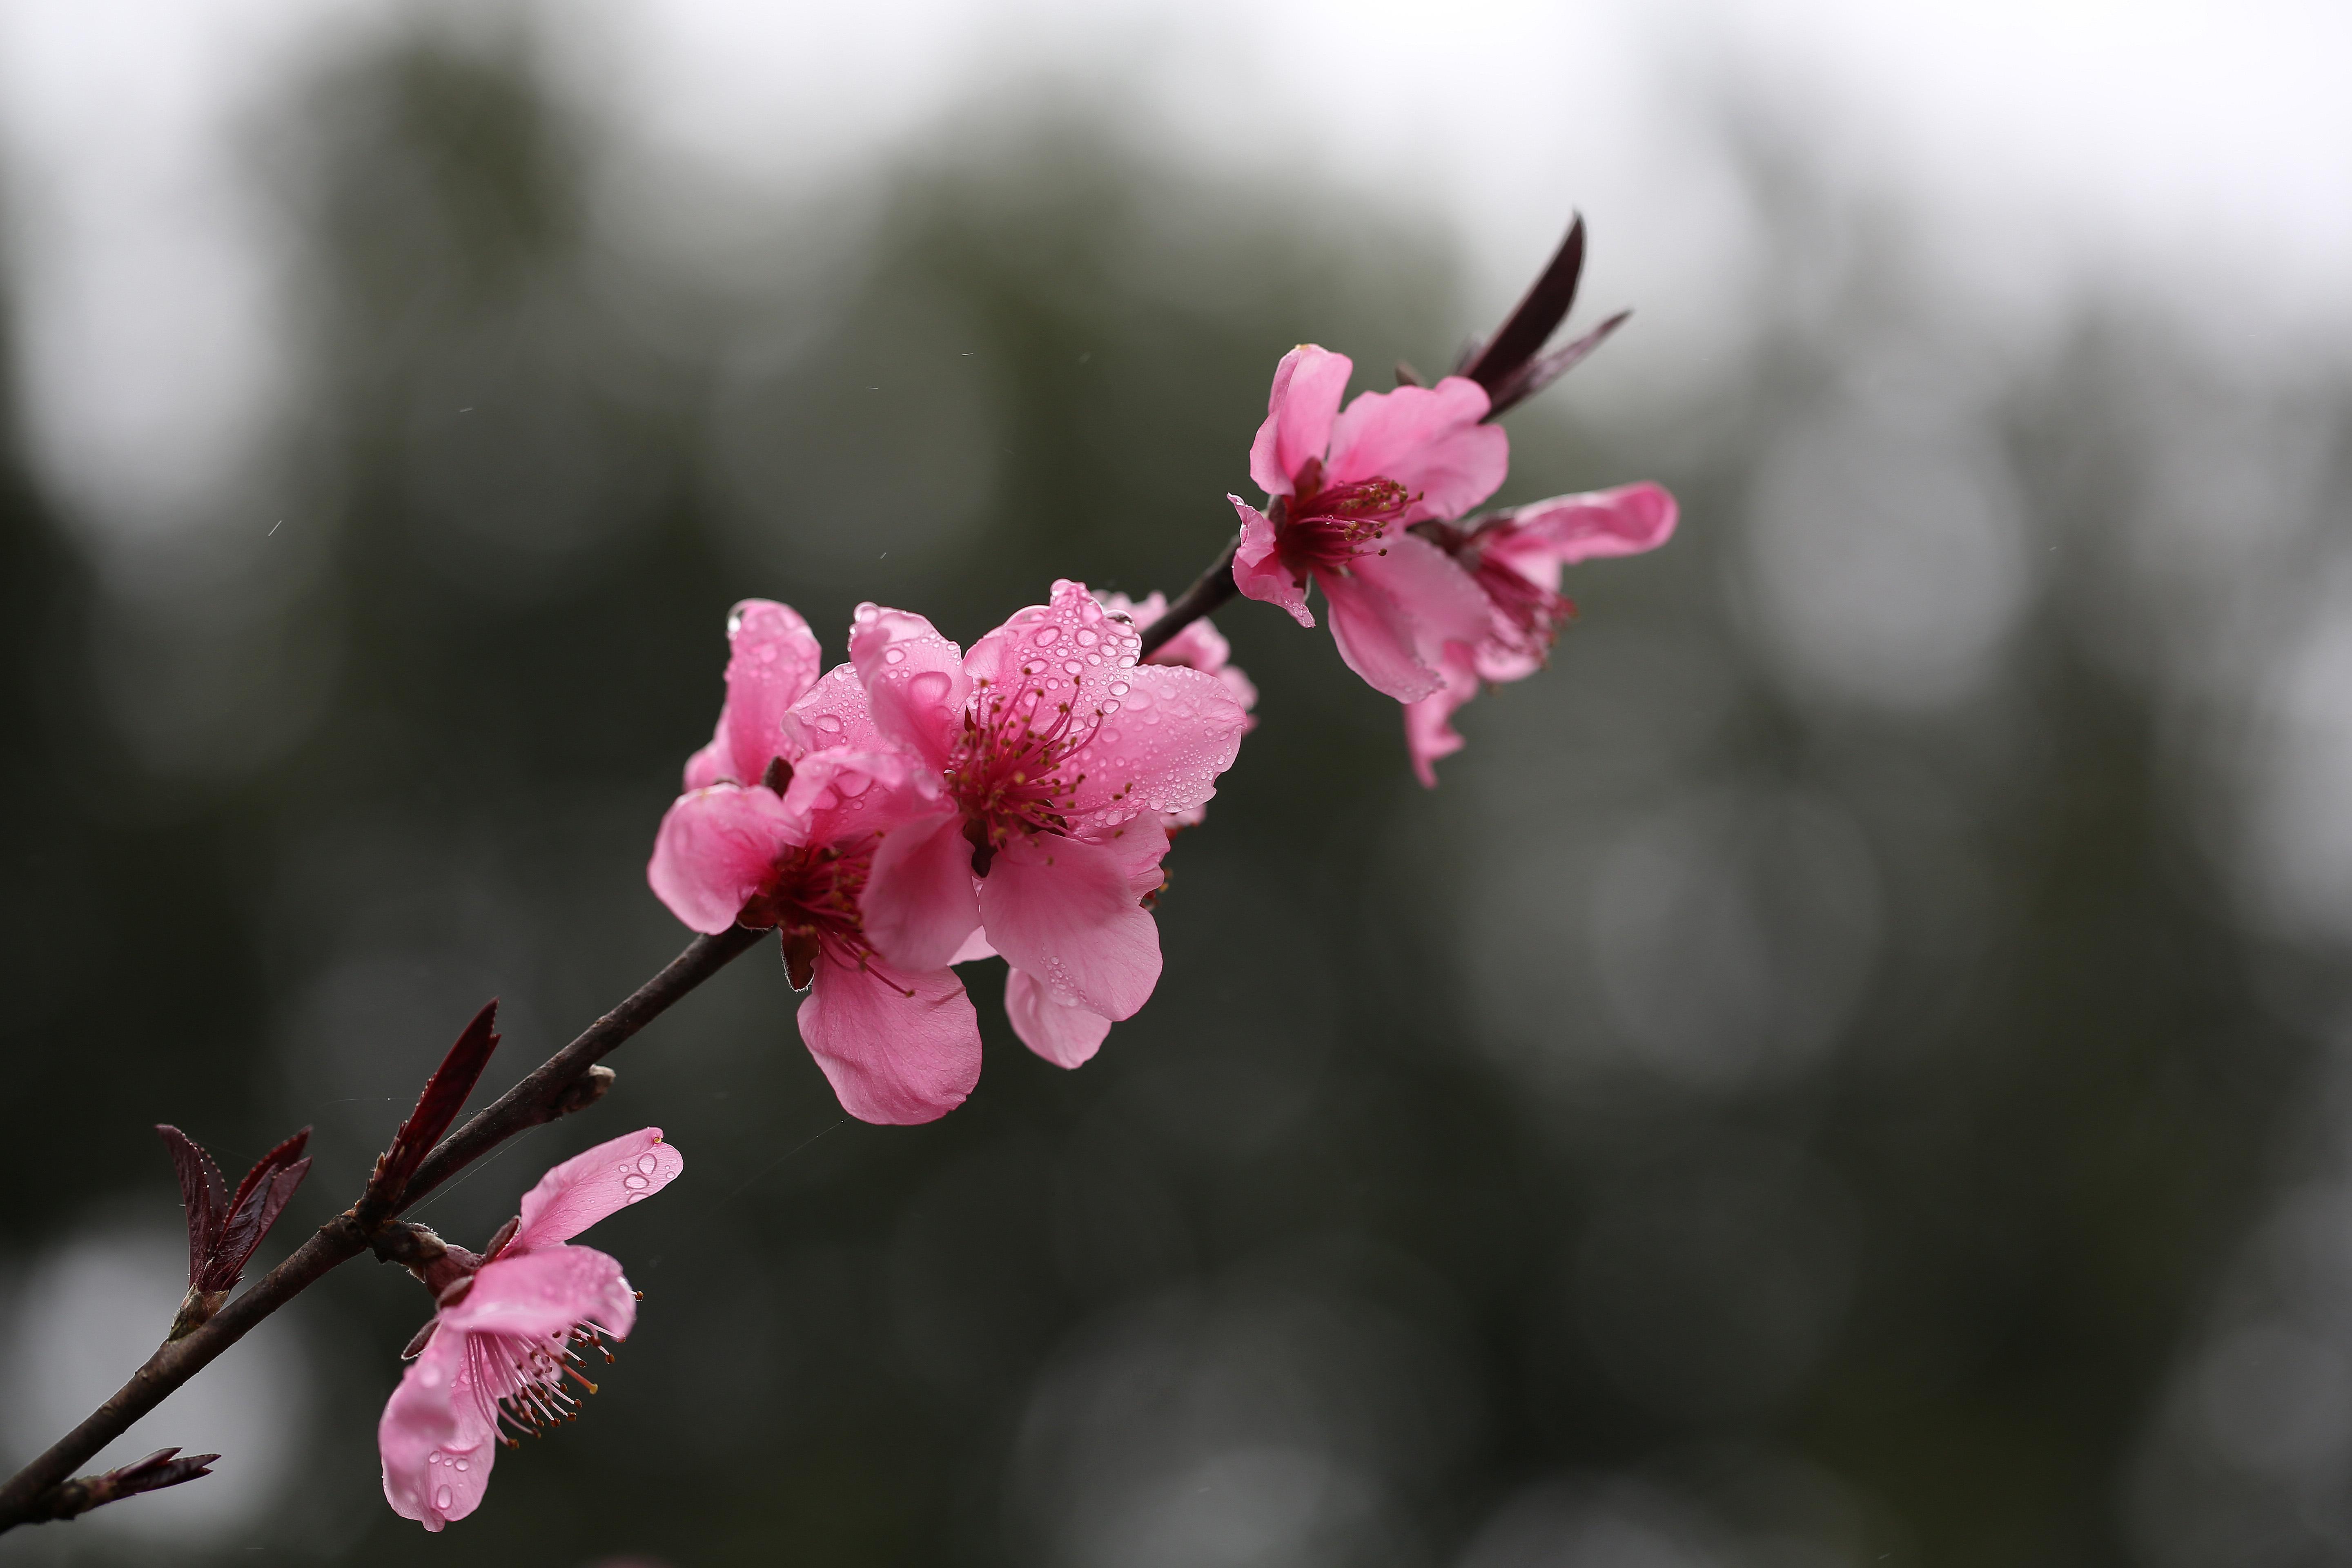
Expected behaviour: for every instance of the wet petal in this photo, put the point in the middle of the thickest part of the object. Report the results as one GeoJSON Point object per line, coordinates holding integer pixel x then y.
{"type": "Point", "coordinates": [436, 1447]}
{"type": "Point", "coordinates": [833, 712]}
{"type": "Point", "coordinates": [1067, 1036]}
{"type": "Point", "coordinates": [715, 850]}
{"type": "Point", "coordinates": [1065, 912]}
{"type": "Point", "coordinates": [545, 1292]}
{"type": "Point", "coordinates": [1069, 647]}
{"type": "Point", "coordinates": [1162, 735]}
{"type": "Point", "coordinates": [914, 679]}
{"type": "Point", "coordinates": [588, 1186]}
{"type": "Point", "coordinates": [898, 1048]}
{"type": "Point", "coordinates": [1429, 732]}
{"type": "Point", "coordinates": [774, 658]}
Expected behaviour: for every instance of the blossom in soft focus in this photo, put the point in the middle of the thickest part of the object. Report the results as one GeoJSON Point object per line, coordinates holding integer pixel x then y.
{"type": "Point", "coordinates": [505, 1341]}
{"type": "Point", "coordinates": [1064, 757]}
{"type": "Point", "coordinates": [1199, 646]}
{"type": "Point", "coordinates": [785, 834]}
{"type": "Point", "coordinates": [1515, 558]}
{"type": "Point", "coordinates": [1344, 487]}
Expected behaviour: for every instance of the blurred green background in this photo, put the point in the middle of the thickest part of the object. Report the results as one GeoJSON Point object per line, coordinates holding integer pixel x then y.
{"type": "Point", "coordinates": [1807, 1090]}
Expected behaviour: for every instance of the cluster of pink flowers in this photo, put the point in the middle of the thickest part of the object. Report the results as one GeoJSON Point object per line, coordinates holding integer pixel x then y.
{"type": "Point", "coordinates": [919, 806]}
{"type": "Point", "coordinates": [1363, 502]}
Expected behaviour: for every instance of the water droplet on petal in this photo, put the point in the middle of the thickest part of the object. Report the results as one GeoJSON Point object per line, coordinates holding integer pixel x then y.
{"type": "Point", "coordinates": [1046, 635]}
{"type": "Point", "coordinates": [443, 1497]}
{"type": "Point", "coordinates": [852, 784]}
{"type": "Point", "coordinates": [463, 1466]}
{"type": "Point", "coordinates": [639, 1197]}
{"type": "Point", "coordinates": [635, 1183]}
{"type": "Point", "coordinates": [828, 722]}
{"type": "Point", "coordinates": [1118, 689]}
{"type": "Point", "coordinates": [894, 655]}
{"type": "Point", "coordinates": [1087, 639]}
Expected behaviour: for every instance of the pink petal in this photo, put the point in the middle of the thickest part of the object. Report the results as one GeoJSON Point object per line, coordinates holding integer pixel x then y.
{"type": "Point", "coordinates": [975, 947]}
{"type": "Point", "coordinates": [846, 793]}
{"type": "Point", "coordinates": [914, 679]}
{"type": "Point", "coordinates": [775, 659]}
{"type": "Point", "coordinates": [899, 1048]}
{"type": "Point", "coordinates": [1066, 910]}
{"type": "Point", "coordinates": [1377, 639]}
{"type": "Point", "coordinates": [437, 1449]}
{"type": "Point", "coordinates": [1243, 690]}
{"type": "Point", "coordinates": [1444, 602]}
{"type": "Point", "coordinates": [833, 712]}
{"type": "Point", "coordinates": [588, 1186]}
{"type": "Point", "coordinates": [1429, 732]}
{"type": "Point", "coordinates": [1537, 540]}
{"type": "Point", "coordinates": [1428, 439]}
{"type": "Point", "coordinates": [1307, 386]}
{"type": "Point", "coordinates": [1070, 644]}
{"type": "Point", "coordinates": [1258, 570]}
{"type": "Point", "coordinates": [545, 1292]}
{"type": "Point", "coordinates": [918, 907]}
{"type": "Point", "coordinates": [1067, 1036]}
{"type": "Point", "coordinates": [1161, 736]}
{"type": "Point", "coordinates": [717, 847]}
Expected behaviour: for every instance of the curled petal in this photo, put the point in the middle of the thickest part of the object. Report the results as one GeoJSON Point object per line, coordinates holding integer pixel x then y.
{"type": "Point", "coordinates": [435, 1446]}
{"type": "Point", "coordinates": [1307, 386]}
{"type": "Point", "coordinates": [1066, 910]}
{"type": "Point", "coordinates": [899, 1048]}
{"type": "Point", "coordinates": [1067, 1036]}
{"type": "Point", "coordinates": [1162, 734]}
{"type": "Point", "coordinates": [1428, 439]}
{"type": "Point", "coordinates": [716, 848]}
{"type": "Point", "coordinates": [588, 1186]}
{"type": "Point", "coordinates": [545, 1292]}
{"type": "Point", "coordinates": [1429, 732]}
{"type": "Point", "coordinates": [1537, 540]}
{"type": "Point", "coordinates": [914, 679]}
{"type": "Point", "coordinates": [918, 907]}
{"type": "Point", "coordinates": [773, 660]}
{"type": "Point", "coordinates": [1258, 570]}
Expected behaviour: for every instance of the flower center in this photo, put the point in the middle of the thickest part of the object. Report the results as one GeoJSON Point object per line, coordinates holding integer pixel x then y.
{"type": "Point", "coordinates": [812, 899]}
{"type": "Point", "coordinates": [1010, 770]}
{"type": "Point", "coordinates": [521, 1381]}
{"type": "Point", "coordinates": [1532, 611]}
{"type": "Point", "coordinates": [1321, 528]}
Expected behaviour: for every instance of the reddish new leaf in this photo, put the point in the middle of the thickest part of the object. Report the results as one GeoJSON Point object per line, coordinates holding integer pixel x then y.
{"type": "Point", "coordinates": [1529, 327]}
{"type": "Point", "coordinates": [445, 1095]}
{"type": "Point", "coordinates": [259, 1199]}
{"type": "Point", "coordinates": [203, 1194]}
{"type": "Point", "coordinates": [1540, 373]}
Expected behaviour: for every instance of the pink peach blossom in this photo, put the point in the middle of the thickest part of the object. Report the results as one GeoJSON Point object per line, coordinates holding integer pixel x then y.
{"type": "Point", "coordinates": [780, 833]}
{"type": "Point", "coordinates": [1515, 558]}
{"type": "Point", "coordinates": [1344, 488]}
{"type": "Point", "coordinates": [1064, 756]}
{"type": "Point", "coordinates": [504, 1341]}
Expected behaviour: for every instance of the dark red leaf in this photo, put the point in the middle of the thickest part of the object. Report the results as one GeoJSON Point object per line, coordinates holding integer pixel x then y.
{"type": "Point", "coordinates": [203, 1194]}
{"type": "Point", "coordinates": [445, 1095]}
{"type": "Point", "coordinates": [1539, 373]}
{"type": "Point", "coordinates": [261, 1197]}
{"type": "Point", "coordinates": [1531, 324]}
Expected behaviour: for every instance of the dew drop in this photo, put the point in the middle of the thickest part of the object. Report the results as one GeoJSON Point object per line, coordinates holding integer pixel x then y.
{"type": "Point", "coordinates": [852, 784]}
{"type": "Point", "coordinates": [462, 1465]}
{"type": "Point", "coordinates": [1072, 666]}
{"type": "Point", "coordinates": [894, 655]}
{"type": "Point", "coordinates": [828, 722]}
{"type": "Point", "coordinates": [647, 1164]}
{"type": "Point", "coordinates": [1118, 689]}
{"type": "Point", "coordinates": [1087, 639]}
{"type": "Point", "coordinates": [1047, 636]}
{"type": "Point", "coordinates": [442, 1498]}
{"type": "Point", "coordinates": [639, 1197]}
{"type": "Point", "coordinates": [635, 1183]}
